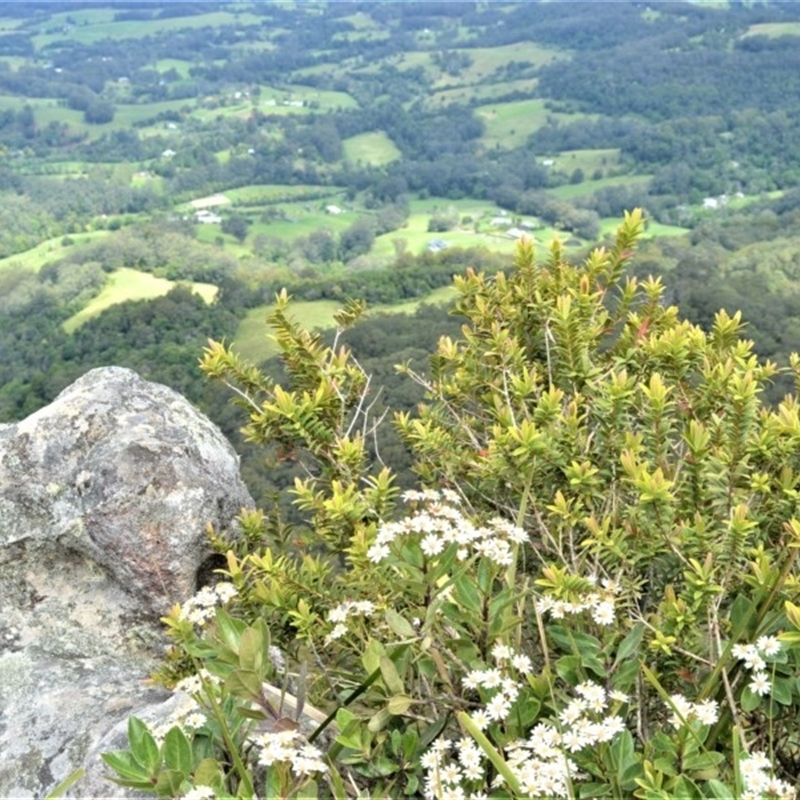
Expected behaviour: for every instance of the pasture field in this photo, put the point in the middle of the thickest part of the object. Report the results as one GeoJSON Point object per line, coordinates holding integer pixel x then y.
{"type": "Point", "coordinates": [131, 284]}
{"type": "Point", "coordinates": [48, 250]}
{"type": "Point", "coordinates": [508, 125]}
{"type": "Point", "coordinates": [258, 195]}
{"type": "Point", "coordinates": [587, 160]}
{"type": "Point", "coordinates": [374, 148]}
{"type": "Point", "coordinates": [773, 29]}
{"type": "Point", "coordinates": [301, 220]}
{"type": "Point", "coordinates": [48, 109]}
{"type": "Point", "coordinates": [252, 340]}
{"type": "Point", "coordinates": [278, 102]}
{"type": "Point", "coordinates": [485, 61]}
{"type": "Point", "coordinates": [481, 92]}
{"type": "Point", "coordinates": [570, 191]}
{"type": "Point", "coordinates": [178, 64]}
{"type": "Point", "coordinates": [97, 24]}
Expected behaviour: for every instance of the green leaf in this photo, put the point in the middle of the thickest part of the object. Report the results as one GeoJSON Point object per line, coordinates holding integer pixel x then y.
{"type": "Point", "coordinates": [390, 676]}
{"type": "Point", "coordinates": [251, 650]}
{"type": "Point", "coordinates": [782, 690]}
{"type": "Point", "coordinates": [399, 704]}
{"type": "Point", "coordinates": [702, 761]}
{"type": "Point", "coordinates": [715, 788]}
{"type": "Point", "coordinates": [400, 625]}
{"type": "Point", "coordinates": [622, 754]}
{"type": "Point", "coordinates": [309, 791]}
{"type": "Point", "coordinates": [229, 631]}
{"type": "Point", "coordinates": [350, 734]}
{"type": "Point", "coordinates": [123, 764]}
{"type": "Point", "coordinates": [170, 782]}
{"type": "Point", "coordinates": [379, 720]}
{"type": "Point", "coordinates": [666, 765]}
{"type": "Point", "coordinates": [630, 644]}
{"type": "Point", "coordinates": [243, 683]}
{"type": "Point", "coordinates": [568, 669]}
{"type": "Point", "coordinates": [208, 773]}
{"type": "Point", "coordinates": [177, 751]}
{"type": "Point", "coordinates": [143, 746]}
{"type": "Point", "coordinates": [465, 593]}
{"type": "Point", "coordinates": [742, 614]}
{"type": "Point", "coordinates": [749, 700]}
{"type": "Point", "coordinates": [685, 789]}
{"type": "Point", "coordinates": [66, 784]}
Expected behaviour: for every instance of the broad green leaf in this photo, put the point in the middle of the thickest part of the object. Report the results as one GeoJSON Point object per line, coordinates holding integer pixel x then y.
{"type": "Point", "coordinates": [568, 669]}
{"type": "Point", "coordinates": [390, 676]}
{"type": "Point", "coordinates": [742, 615]}
{"type": "Point", "coordinates": [170, 782]}
{"type": "Point", "coordinates": [250, 651]}
{"type": "Point", "coordinates": [685, 789]}
{"type": "Point", "coordinates": [143, 746]}
{"type": "Point", "coordinates": [399, 704]}
{"type": "Point", "coordinates": [715, 788]}
{"type": "Point", "coordinates": [128, 769]}
{"type": "Point", "coordinates": [782, 690]}
{"type": "Point", "coordinates": [243, 683]}
{"type": "Point", "coordinates": [229, 630]}
{"type": "Point", "coordinates": [465, 593]}
{"type": "Point", "coordinates": [749, 700]}
{"type": "Point", "coordinates": [379, 720]}
{"type": "Point", "coordinates": [400, 625]}
{"type": "Point", "coordinates": [702, 761]}
{"type": "Point", "coordinates": [630, 644]}
{"type": "Point", "coordinates": [207, 773]}
{"type": "Point", "coordinates": [177, 751]}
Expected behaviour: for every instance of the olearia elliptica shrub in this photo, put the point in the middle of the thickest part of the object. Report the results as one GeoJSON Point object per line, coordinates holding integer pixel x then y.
{"type": "Point", "coordinates": [593, 593]}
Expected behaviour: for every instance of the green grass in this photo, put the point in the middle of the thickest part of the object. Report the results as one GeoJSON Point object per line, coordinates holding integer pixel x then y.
{"type": "Point", "coordinates": [100, 25]}
{"type": "Point", "coordinates": [178, 64]}
{"type": "Point", "coordinates": [416, 236]}
{"type": "Point", "coordinates": [774, 29]}
{"type": "Point", "coordinates": [375, 149]}
{"type": "Point", "coordinates": [302, 222]}
{"type": "Point", "coordinates": [508, 125]}
{"type": "Point", "coordinates": [47, 109]}
{"type": "Point", "coordinates": [569, 191]}
{"type": "Point", "coordinates": [256, 195]}
{"type": "Point", "coordinates": [587, 160]}
{"type": "Point", "coordinates": [48, 250]}
{"type": "Point", "coordinates": [485, 61]}
{"type": "Point", "coordinates": [131, 284]}
{"type": "Point", "coordinates": [481, 92]}
{"type": "Point", "coordinates": [252, 336]}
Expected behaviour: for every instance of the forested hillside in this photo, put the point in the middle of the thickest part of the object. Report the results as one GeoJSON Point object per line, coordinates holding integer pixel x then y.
{"type": "Point", "coordinates": [156, 154]}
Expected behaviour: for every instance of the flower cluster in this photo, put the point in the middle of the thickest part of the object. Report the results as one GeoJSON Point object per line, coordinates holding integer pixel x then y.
{"type": "Point", "coordinates": [600, 603]}
{"type": "Point", "coordinates": [758, 783]}
{"type": "Point", "coordinates": [685, 711]}
{"type": "Point", "coordinates": [291, 747]}
{"type": "Point", "coordinates": [338, 616]}
{"type": "Point", "coordinates": [200, 608]}
{"type": "Point", "coordinates": [753, 657]}
{"type": "Point", "coordinates": [541, 763]}
{"type": "Point", "coordinates": [438, 524]}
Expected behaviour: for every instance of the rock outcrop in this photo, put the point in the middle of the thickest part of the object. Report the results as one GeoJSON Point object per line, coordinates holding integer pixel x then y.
{"type": "Point", "coordinates": [105, 499]}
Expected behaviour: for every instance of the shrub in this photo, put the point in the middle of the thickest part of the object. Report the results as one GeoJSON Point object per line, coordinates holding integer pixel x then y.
{"type": "Point", "coordinates": [592, 594]}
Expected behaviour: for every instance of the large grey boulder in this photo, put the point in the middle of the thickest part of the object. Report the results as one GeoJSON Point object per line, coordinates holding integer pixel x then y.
{"type": "Point", "coordinates": [105, 499]}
